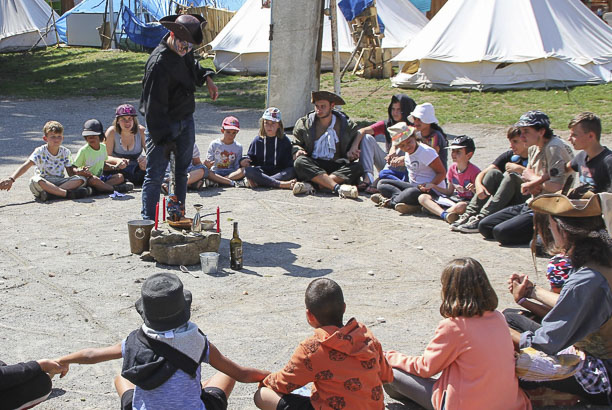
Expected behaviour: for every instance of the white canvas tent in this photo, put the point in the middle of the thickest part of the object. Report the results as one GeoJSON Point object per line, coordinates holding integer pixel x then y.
{"type": "Point", "coordinates": [25, 23]}
{"type": "Point", "coordinates": [502, 44]}
{"type": "Point", "coordinates": [243, 44]}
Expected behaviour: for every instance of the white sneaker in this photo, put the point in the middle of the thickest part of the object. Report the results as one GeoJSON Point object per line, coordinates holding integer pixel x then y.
{"type": "Point", "coordinates": [303, 188]}
{"type": "Point", "coordinates": [462, 219]}
{"type": "Point", "coordinates": [348, 191]}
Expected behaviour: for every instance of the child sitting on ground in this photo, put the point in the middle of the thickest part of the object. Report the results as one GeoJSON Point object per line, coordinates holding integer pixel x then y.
{"type": "Point", "coordinates": [198, 175]}
{"type": "Point", "coordinates": [92, 159]}
{"type": "Point", "coordinates": [269, 155]}
{"type": "Point", "coordinates": [52, 161]}
{"type": "Point", "coordinates": [460, 177]}
{"type": "Point", "coordinates": [428, 131]}
{"type": "Point", "coordinates": [224, 155]}
{"type": "Point", "coordinates": [344, 362]}
{"type": "Point", "coordinates": [161, 359]}
{"type": "Point", "coordinates": [472, 348]}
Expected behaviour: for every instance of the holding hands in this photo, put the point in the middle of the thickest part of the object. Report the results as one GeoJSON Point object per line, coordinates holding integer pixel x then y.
{"type": "Point", "coordinates": [53, 367]}
{"type": "Point", "coordinates": [520, 286]}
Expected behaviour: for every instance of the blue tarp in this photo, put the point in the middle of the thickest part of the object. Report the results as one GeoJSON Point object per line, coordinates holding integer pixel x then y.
{"type": "Point", "coordinates": [352, 8]}
{"type": "Point", "coordinates": [156, 8]}
{"type": "Point", "coordinates": [423, 5]}
{"type": "Point", "coordinates": [145, 34]}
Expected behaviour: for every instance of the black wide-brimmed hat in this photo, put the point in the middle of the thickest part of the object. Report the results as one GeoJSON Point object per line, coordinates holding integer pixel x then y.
{"type": "Point", "coordinates": [164, 304]}
{"type": "Point", "coordinates": [328, 96]}
{"type": "Point", "coordinates": [186, 27]}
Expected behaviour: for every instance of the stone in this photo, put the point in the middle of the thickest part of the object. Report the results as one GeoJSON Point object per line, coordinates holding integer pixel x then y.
{"type": "Point", "coordinates": [171, 247]}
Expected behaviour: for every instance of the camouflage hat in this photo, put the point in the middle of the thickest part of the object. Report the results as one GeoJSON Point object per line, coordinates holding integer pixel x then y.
{"type": "Point", "coordinates": [533, 119]}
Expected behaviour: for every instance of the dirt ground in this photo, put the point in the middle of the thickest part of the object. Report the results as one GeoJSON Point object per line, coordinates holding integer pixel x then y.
{"type": "Point", "coordinates": [69, 281]}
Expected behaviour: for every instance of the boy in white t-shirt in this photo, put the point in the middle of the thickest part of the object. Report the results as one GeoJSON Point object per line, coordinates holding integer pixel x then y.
{"type": "Point", "coordinates": [52, 161]}
{"type": "Point", "coordinates": [224, 155]}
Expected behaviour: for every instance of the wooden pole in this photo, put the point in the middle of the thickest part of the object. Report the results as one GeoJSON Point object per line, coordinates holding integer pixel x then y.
{"type": "Point", "coordinates": [335, 52]}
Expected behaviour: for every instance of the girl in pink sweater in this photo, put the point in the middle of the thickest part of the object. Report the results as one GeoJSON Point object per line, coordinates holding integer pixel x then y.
{"type": "Point", "coordinates": [472, 348]}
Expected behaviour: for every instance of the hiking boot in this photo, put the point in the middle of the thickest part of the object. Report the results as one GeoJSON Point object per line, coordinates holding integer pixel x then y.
{"type": "Point", "coordinates": [348, 191]}
{"type": "Point", "coordinates": [377, 198]}
{"type": "Point", "coordinates": [44, 196]}
{"type": "Point", "coordinates": [303, 188]}
{"type": "Point", "coordinates": [451, 217]}
{"type": "Point", "coordinates": [79, 193]}
{"type": "Point", "coordinates": [407, 209]}
{"type": "Point", "coordinates": [471, 226]}
{"type": "Point", "coordinates": [462, 219]}
{"type": "Point", "coordinates": [211, 184]}
{"type": "Point", "coordinates": [125, 187]}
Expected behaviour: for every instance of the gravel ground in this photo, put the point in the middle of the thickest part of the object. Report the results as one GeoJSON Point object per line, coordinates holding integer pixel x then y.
{"type": "Point", "coordinates": [68, 280]}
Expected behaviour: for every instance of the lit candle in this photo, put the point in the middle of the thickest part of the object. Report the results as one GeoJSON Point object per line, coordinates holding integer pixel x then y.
{"type": "Point", "coordinates": [218, 218]}
{"type": "Point", "coordinates": [156, 214]}
{"type": "Point", "coordinates": [164, 211]}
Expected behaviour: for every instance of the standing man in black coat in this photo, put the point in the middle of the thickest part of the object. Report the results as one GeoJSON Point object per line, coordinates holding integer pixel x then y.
{"type": "Point", "coordinates": [168, 102]}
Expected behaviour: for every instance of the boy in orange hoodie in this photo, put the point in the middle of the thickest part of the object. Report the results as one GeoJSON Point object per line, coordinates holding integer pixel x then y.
{"type": "Point", "coordinates": [344, 362]}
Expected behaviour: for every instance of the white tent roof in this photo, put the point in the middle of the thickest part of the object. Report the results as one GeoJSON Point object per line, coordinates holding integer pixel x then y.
{"type": "Point", "coordinates": [246, 34]}
{"type": "Point", "coordinates": [510, 31]}
{"type": "Point", "coordinates": [24, 22]}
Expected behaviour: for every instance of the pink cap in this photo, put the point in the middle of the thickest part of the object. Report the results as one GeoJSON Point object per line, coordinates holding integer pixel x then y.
{"type": "Point", "coordinates": [231, 123]}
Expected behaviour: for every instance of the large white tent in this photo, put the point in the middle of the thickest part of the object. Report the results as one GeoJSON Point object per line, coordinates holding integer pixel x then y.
{"type": "Point", "coordinates": [25, 23]}
{"type": "Point", "coordinates": [501, 44]}
{"type": "Point", "coordinates": [243, 44]}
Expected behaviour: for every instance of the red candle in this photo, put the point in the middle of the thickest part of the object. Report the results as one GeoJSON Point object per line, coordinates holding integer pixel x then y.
{"type": "Point", "coordinates": [218, 217]}
{"type": "Point", "coordinates": [156, 214]}
{"type": "Point", "coordinates": [164, 211]}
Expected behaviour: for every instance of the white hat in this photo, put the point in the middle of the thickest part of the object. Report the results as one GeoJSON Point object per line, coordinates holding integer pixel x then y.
{"type": "Point", "coordinates": [425, 113]}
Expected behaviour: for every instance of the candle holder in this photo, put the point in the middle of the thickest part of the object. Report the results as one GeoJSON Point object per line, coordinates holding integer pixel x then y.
{"type": "Point", "coordinates": [196, 224]}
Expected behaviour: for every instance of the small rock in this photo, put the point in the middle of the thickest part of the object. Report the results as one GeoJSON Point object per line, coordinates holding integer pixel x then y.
{"type": "Point", "coordinates": [68, 253]}
{"type": "Point", "coordinates": [245, 293]}
{"type": "Point", "coordinates": [51, 274]}
{"type": "Point", "coordinates": [335, 238]}
{"type": "Point", "coordinates": [1, 282]}
{"type": "Point", "coordinates": [371, 272]}
{"type": "Point", "coordinates": [319, 260]}
{"type": "Point", "coordinates": [125, 295]}
{"type": "Point", "coordinates": [43, 244]}
{"type": "Point", "coordinates": [16, 247]}
{"type": "Point", "coordinates": [304, 221]}
{"type": "Point", "coordinates": [74, 291]}
{"type": "Point", "coordinates": [77, 214]}
{"type": "Point", "coordinates": [86, 320]}
{"type": "Point", "coordinates": [381, 319]}
{"type": "Point", "coordinates": [115, 240]}
{"type": "Point", "coordinates": [419, 248]}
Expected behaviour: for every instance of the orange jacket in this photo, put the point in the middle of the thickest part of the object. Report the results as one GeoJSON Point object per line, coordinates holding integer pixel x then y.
{"type": "Point", "coordinates": [346, 366]}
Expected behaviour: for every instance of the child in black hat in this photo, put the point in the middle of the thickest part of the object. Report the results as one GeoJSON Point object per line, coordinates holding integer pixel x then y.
{"type": "Point", "coordinates": [161, 359]}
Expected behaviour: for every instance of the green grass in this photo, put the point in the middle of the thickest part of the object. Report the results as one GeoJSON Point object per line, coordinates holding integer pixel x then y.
{"type": "Point", "coordinates": [72, 72]}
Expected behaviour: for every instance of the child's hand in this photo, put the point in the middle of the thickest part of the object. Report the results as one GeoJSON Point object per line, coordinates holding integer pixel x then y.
{"type": "Point", "coordinates": [397, 161]}
{"type": "Point", "coordinates": [245, 162]}
{"type": "Point", "coordinates": [53, 367]}
{"type": "Point", "coordinates": [84, 172]}
{"type": "Point", "coordinates": [6, 184]}
{"type": "Point", "coordinates": [471, 187]}
{"type": "Point", "coordinates": [426, 187]}
{"type": "Point", "coordinates": [142, 163]}
{"type": "Point", "coordinates": [209, 163]}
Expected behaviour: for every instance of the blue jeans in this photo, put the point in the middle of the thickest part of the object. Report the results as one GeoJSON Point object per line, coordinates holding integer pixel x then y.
{"type": "Point", "coordinates": [183, 135]}
{"type": "Point", "coordinates": [257, 175]}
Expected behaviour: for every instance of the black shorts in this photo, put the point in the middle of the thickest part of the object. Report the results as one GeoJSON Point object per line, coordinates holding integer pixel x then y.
{"type": "Point", "coordinates": [213, 398]}
{"type": "Point", "coordinates": [294, 402]}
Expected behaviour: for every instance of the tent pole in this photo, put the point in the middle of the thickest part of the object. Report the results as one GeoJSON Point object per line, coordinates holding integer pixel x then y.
{"type": "Point", "coordinates": [335, 52]}
{"type": "Point", "coordinates": [112, 24]}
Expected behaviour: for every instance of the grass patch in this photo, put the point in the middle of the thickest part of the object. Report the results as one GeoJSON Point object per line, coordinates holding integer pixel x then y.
{"type": "Point", "coordinates": [74, 72]}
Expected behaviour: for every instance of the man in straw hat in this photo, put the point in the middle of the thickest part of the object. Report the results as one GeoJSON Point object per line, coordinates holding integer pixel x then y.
{"type": "Point", "coordinates": [168, 103]}
{"type": "Point", "coordinates": [321, 143]}
{"type": "Point", "coordinates": [580, 316]}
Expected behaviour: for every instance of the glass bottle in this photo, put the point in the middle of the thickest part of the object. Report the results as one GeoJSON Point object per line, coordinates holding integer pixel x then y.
{"type": "Point", "coordinates": [236, 250]}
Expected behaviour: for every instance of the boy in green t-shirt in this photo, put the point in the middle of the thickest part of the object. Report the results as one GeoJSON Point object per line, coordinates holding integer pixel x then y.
{"type": "Point", "coordinates": [91, 159]}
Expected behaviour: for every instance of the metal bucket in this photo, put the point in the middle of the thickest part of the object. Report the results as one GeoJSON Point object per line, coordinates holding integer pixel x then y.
{"type": "Point", "coordinates": [140, 234]}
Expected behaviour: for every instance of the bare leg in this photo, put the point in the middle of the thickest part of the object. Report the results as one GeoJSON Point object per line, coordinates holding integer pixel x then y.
{"type": "Point", "coordinates": [428, 203]}
{"type": "Point", "coordinates": [99, 185]}
{"type": "Point", "coordinates": [327, 181]}
{"type": "Point", "coordinates": [237, 174]}
{"type": "Point", "coordinates": [70, 185]}
{"type": "Point", "coordinates": [458, 208]}
{"type": "Point", "coordinates": [116, 179]}
{"type": "Point", "coordinates": [287, 184]}
{"type": "Point", "coordinates": [221, 381]}
{"type": "Point", "coordinates": [219, 179]}
{"type": "Point", "coordinates": [122, 385]}
{"type": "Point", "coordinates": [266, 399]}
{"type": "Point", "coordinates": [195, 176]}
{"type": "Point", "coordinates": [53, 189]}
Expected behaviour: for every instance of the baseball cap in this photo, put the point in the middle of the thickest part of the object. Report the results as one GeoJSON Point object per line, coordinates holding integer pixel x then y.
{"type": "Point", "coordinates": [272, 114]}
{"type": "Point", "coordinates": [463, 141]}
{"type": "Point", "coordinates": [125, 110]}
{"type": "Point", "coordinates": [92, 127]}
{"type": "Point", "coordinates": [231, 123]}
{"type": "Point", "coordinates": [533, 118]}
